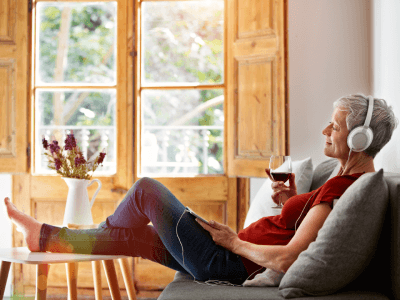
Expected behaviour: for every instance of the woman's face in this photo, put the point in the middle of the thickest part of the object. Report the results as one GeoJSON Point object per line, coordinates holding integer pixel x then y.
{"type": "Point", "coordinates": [336, 136]}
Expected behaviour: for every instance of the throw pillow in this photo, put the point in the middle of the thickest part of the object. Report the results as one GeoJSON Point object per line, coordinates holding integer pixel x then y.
{"type": "Point", "coordinates": [345, 243]}
{"type": "Point", "coordinates": [261, 205]}
{"type": "Point", "coordinates": [324, 171]}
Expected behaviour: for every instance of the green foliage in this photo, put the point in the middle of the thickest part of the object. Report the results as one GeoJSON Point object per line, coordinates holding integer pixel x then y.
{"type": "Point", "coordinates": [99, 105]}
{"type": "Point", "coordinates": [183, 42]}
{"type": "Point", "coordinates": [91, 37]}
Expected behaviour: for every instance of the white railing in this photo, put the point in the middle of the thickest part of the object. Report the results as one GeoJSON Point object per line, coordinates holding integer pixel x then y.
{"type": "Point", "coordinates": [184, 158]}
{"type": "Point", "coordinates": [187, 160]}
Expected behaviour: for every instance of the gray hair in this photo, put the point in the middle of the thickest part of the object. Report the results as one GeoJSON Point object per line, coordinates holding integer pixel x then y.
{"type": "Point", "coordinates": [383, 121]}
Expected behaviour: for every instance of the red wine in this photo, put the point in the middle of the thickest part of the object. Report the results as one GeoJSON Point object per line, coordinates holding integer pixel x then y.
{"type": "Point", "coordinates": [280, 176]}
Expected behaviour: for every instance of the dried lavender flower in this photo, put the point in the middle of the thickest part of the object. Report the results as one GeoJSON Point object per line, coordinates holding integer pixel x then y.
{"type": "Point", "coordinates": [79, 160]}
{"type": "Point", "coordinates": [101, 157]}
{"type": "Point", "coordinates": [57, 163]}
{"type": "Point", "coordinates": [70, 163]}
{"type": "Point", "coordinates": [45, 143]}
{"type": "Point", "coordinates": [70, 142]}
{"type": "Point", "coordinates": [54, 147]}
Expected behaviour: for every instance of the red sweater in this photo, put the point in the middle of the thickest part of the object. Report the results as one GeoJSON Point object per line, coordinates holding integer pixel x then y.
{"type": "Point", "coordinates": [279, 230]}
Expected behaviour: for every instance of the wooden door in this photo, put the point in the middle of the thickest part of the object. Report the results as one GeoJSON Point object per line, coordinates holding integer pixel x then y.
{"type": "Point", "coordinates": [255, 114]}
{"type": "Point", "coordinates": [13, 86]}
{"type": "Point", "coordinates": [257, 87]}
{"type": "Point", "coordinates": [213, 196]}
{"type": "Point", "coordinates": [43, 196]}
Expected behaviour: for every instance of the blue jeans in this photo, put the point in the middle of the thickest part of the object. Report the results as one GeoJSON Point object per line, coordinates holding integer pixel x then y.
{"type": "Point", "coordinates": [127, 232]}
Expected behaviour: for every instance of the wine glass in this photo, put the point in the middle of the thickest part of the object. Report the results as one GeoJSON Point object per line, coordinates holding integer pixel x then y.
{"type": "Point", "coordinates": [280, 168]}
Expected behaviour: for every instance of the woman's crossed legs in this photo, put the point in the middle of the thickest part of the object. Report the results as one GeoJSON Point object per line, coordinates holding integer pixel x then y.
{"type": "Point", "coordinates": [127, 232]}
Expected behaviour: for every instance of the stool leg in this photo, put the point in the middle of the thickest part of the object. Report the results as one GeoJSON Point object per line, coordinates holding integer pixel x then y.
{"type": "Point", "coordinates": [41, 281]}
{"type": "Point", "coordinates": [96, 267]}
{"type": "Point", "coordinates": [72, 280]}
{"type": "Point", "coordinates": [128, 279]}
{"type": "Point", "coordinates": [5, 268]}
{"type": "Point", "coordinates": [112, 279]}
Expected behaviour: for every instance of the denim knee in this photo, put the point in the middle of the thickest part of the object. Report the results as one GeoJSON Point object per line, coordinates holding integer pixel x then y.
{"type": "Point", "coordinates": [145, 182]}
{"type": "Point", "coordinates": [140, 185]}
{"type": "Point", "coordinates": [147, 186]}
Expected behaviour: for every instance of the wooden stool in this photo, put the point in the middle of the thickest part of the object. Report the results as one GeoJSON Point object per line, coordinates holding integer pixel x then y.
{"type": "Point", "coordinates": [43, 259]}
{"type": "Point", "coordinates": [72, 271]}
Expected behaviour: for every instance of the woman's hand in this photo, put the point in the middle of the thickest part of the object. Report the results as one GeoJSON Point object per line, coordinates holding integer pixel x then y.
{"type": "Point", "coordinates": [221, 234]}
{"type": "Point", "coordinates": [282, 192]}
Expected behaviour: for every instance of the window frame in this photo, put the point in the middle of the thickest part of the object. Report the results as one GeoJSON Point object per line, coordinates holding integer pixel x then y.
{"type": "Point", "coordinates": [139, 87]}
{"type": "Point", "coordinates": [123, 178]}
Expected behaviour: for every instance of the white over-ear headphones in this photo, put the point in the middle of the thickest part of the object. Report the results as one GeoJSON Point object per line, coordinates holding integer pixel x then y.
{"type": "Point", "coordinates": [360, 138]}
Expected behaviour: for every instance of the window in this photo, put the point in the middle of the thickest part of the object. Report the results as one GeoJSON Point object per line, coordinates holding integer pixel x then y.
{"type": "Point", "coordinates": [181, 88]}
{"type": "Point", "coordinates": [75, 78]}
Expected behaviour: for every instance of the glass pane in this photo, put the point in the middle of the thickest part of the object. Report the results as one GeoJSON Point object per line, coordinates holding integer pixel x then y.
{"type": "Point", "coordinates": [183, 41]}
{"type": "Point", "coordinates": [182, 132]}
{"type": "Point", "coordinates": [76, 42]}
{"type": "Point", "coordinates": [88, 114]}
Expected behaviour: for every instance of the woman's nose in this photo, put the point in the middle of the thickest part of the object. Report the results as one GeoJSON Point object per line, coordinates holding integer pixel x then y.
{"type": "Point", "coordinates": [326, 130]}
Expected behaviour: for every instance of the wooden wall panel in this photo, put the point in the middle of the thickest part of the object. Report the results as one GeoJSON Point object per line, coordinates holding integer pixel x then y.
{"type": "Point", "coordinates": [254, 17]}
{"type": "Point", "coordinates": [254, 107]}
{"type": "Point", "coordinates": [243, 201]}
{"type": "Point", "coordinates": [21, 199]}
{"type": "Point", "coordinates": [52, 212]}
{"type": "Point", "coordinates": [14, 56]}
{"type": "Point", "coordinates": [256, 85]}
{"type": "Point", "coordinates": [197, 188]}
{"type": "Point", "coordinates": [54, 188]}
{"type": "Point", "coordinates": [7, 108]}
{"type": "Point", "coordinates": [209, 211]}
{"type": "Point", "coordinates": [8, 14]}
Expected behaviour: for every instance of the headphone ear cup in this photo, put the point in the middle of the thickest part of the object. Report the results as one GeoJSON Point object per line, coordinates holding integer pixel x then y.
{"type": "Point", "coordinates": [360, 138]}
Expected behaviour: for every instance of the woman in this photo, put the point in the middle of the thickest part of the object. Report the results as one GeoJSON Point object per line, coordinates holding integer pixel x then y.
{"type": "Point", "coordinates": [179, 241]}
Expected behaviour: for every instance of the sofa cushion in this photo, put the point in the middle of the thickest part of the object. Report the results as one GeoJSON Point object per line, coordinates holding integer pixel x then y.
{"type": "Point", "coordinates": [323, 172]}
{"type": "Point", "coordinates": [262, 203]}
{"type": "Point", "coordinates": [344, 245]}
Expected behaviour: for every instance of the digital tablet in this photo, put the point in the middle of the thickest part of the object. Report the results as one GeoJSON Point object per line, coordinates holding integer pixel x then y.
{"type": "Point", "coordinates": [196, 215]}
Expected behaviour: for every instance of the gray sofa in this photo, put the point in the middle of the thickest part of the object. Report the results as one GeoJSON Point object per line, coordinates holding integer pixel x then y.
{"type": "Point", "coordinates": [379, 280]}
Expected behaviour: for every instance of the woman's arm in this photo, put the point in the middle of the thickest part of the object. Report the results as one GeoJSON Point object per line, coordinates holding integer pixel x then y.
{"type": "Point", "coordinates": [278, 258]}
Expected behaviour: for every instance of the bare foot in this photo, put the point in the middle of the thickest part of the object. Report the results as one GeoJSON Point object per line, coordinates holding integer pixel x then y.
{"type": "Point", "coordinates": [29, 226]}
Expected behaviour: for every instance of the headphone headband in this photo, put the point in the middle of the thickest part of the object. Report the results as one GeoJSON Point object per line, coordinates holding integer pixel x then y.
{"type": "Point", "coordinates": [369, 113]}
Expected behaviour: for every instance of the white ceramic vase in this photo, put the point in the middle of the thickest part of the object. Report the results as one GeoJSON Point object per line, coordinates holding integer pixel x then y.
{"type": "Point", "coordinates": [78, 207]}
